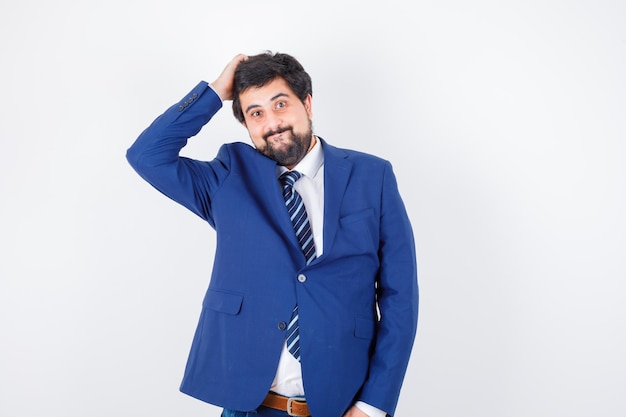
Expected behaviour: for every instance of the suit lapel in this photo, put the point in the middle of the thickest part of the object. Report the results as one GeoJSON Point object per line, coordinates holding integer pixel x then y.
{"type": "Point", "coordinates": [275, 204]}
{"type": "Point", "coordinates": [337, 170]}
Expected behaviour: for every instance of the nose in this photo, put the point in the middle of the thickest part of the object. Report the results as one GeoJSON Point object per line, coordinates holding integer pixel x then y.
{"type": "Point", "coordinates": [274, 122]}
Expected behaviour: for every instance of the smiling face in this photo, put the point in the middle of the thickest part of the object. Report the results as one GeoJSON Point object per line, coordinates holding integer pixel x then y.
{"type": "Point", "coordinates": [278, 123]}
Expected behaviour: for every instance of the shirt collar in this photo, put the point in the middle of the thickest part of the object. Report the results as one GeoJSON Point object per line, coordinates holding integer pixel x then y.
{"type": "Point", "coordinates": [310, 165]}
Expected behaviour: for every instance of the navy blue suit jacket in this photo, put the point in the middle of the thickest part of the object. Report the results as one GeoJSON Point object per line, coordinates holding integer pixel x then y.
{"type": "Point", "coordinates": [358, 301]}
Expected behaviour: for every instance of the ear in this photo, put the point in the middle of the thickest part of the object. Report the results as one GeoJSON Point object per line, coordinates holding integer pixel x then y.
{"type": "Point", "coordinates": [308, 105]}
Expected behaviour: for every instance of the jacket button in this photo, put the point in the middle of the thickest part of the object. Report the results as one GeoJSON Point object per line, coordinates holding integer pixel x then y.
{"type": "Point", "coordinates": [282, 325]}
{"type": "Point", "coordinates": [302, 278]}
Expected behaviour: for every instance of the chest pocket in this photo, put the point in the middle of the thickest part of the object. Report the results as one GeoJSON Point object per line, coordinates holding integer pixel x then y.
{"type": "Point", "coordinates": [359, 232]}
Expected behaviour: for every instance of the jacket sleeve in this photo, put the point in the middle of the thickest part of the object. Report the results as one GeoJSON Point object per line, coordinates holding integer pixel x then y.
{"type": "Point", "coordinates": [155, 153]}
{"type": "Point", "coordinates": [398, 301]}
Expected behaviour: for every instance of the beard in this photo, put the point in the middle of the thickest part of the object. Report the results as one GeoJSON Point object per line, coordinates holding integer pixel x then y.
{"type": "Point", "coordinates": [291, 148]}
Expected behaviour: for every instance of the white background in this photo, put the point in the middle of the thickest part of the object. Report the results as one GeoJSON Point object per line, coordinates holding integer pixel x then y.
{"type": "Point", "coordinates": [506, 125]}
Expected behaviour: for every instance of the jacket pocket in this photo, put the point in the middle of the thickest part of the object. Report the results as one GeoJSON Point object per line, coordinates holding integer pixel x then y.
{"type": "Point", "coordinates": [223, 301]}
{"type": "Point", "coordinates": [359, 215]}
{"type": "Point", "coordinates": [357, 235]}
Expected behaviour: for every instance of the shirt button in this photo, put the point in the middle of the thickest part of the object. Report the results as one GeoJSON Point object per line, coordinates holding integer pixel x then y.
{"type": "Point", "coordinates": [282, 325]}
{"type": "Point", "coordinates": [302, 278]}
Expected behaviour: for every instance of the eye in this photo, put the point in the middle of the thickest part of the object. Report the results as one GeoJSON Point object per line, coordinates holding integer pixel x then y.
{"type": "Point", "coordinates": [255, 114]}
{"type": "Point", "coordinates": [281, 104]}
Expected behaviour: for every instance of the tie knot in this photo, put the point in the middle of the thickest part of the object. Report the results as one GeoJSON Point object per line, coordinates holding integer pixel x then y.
{"type": "Point", "coordinates": [289, 178]}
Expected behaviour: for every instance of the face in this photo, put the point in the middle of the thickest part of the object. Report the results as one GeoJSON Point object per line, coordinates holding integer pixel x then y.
{"type": "Point", "coordinates": [278, 123]}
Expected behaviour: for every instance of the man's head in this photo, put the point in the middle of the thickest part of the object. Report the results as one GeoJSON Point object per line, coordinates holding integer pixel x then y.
{"type": "Point", "coordinates": [259, 70]}
{"type": "Point", "coordinates": [272, 98]}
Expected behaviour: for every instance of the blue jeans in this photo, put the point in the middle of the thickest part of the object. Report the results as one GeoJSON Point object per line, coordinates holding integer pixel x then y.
{"type": "Point", "coordinates": [259, 412]}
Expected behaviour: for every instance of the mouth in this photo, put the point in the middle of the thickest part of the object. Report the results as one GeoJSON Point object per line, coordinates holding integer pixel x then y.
{"type": "Point", "coordinates": [276, 135]}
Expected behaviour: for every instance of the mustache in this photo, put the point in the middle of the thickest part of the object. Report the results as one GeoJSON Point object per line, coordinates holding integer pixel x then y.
{"type": "Point", "coordinates": [277, 131]}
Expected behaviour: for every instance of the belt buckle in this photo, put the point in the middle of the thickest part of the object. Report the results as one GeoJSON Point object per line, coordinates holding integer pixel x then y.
{"type": "Point", "coordinates": [290, 405]}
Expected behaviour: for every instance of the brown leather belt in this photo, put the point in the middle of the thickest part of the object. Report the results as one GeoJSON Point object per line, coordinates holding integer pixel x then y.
{"type": "Point", "coordinates": [293, 406]}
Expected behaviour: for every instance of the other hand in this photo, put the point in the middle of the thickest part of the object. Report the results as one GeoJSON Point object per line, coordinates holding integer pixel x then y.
{"type": "Point", "coordinates": [355, 412]}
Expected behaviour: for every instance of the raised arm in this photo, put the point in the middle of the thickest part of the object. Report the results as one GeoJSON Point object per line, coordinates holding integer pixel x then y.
{"type": "Point", "coordinates": [155, 155]}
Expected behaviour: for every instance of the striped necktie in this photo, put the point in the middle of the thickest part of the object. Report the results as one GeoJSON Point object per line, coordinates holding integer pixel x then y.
{"type": "Point", "coordinates": [302, 227]}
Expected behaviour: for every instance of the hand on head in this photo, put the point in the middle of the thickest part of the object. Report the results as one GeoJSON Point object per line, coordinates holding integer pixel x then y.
{"type": "Point", "coordinates": [223, 85]}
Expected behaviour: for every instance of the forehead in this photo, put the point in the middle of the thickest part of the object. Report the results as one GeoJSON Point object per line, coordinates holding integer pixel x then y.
{"type": "Point", "coordinates": [259, 96]}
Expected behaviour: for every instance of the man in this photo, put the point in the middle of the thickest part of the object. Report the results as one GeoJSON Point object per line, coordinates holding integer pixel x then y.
{"type": "Point", "coordinates": [312, 303]}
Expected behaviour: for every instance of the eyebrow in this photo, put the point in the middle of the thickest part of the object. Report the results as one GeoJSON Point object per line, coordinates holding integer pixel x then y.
{"type": "Point", "coordinates": [251, 106]}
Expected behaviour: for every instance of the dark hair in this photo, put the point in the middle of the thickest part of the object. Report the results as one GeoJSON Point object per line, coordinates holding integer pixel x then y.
{"type": "Point", "coordinates": [259, 70]}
